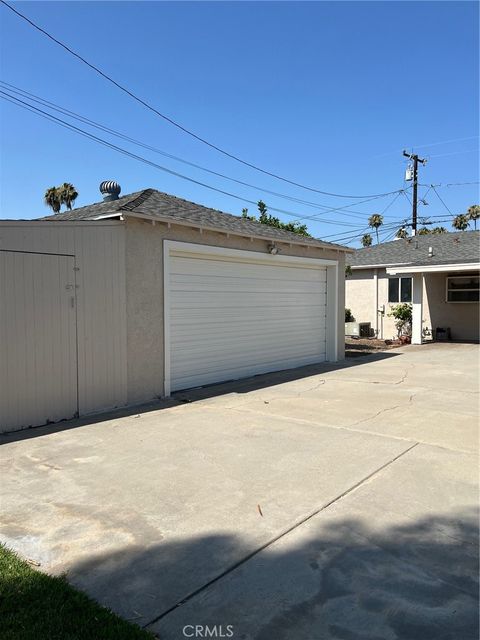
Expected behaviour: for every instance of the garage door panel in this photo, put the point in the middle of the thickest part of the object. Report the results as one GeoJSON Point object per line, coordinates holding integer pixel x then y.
{"type": "Point", "coordinates": [205, 267]}
{"type": "Point", "coordinates": [229, 284]}
{"type": "Point", "coordinates": [269, 351]}
{"type": "Point", "coordinates": [231, 319]}
{"type": "Point", "coordinates": [183, 335]}
{"type": "Point", "coordinates": [216, 375]}
{"type": "Point", "coordinates": [217, 334]}
{"type": "Point", "coordinates": [233, 315]}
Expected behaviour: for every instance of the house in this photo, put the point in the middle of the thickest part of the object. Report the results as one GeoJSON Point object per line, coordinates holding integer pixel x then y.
{"type": "Point", "coordinates": [129, 299]}
{"type": "Point", "coordinates": [437, 273]}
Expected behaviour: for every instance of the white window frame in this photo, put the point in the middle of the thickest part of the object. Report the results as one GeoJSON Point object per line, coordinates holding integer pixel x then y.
{"type": "Point", "coordinates": [400, 278]}
{"type": "Point", "coordinates": [447, 289]}
{"type": "Point", "coordinates": [172, 247]}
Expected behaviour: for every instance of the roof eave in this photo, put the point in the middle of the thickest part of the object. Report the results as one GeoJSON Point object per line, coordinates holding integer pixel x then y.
{"type": "Point", "coordinates": [192, 224]}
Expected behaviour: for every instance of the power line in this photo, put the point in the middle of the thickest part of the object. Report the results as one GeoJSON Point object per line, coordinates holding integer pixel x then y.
{"type": "Point", "coordinates": [432, 144]}
{"type": "Point", "coordinates": [438, 196]}
{"type": "Point", "coordinates": [173, 122]}
{"type": "Point", "coordinates": [127, 153]}
{"type": "Point", "coordinates": [76, 116]}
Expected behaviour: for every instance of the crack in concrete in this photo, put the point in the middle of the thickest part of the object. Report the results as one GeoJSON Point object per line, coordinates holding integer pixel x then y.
{"type": "Point", "coordinates": [282, 534]}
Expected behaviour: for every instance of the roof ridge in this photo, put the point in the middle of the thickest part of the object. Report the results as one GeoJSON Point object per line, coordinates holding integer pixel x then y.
{"type": "Point", "coordinates": [140, 199]}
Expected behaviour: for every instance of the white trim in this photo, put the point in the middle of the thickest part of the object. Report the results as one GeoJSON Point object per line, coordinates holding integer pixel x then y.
{"type": "Point", "coordinates": [166, 319]}
{"type": "Point", "coordinates": [172, 247]}
{"type": "Point", "coordinates": [417, 308]}
{"type": "Point", "coordinates": [331, 334]}
{"type": "Point", "coordinates": [62, 223]}
{"type": "Point", "coordinates": [435, 268]}
{"type": "Point", "coordinates": [241, 254]}
{"type": "Point", "coordinates": [376, 266]}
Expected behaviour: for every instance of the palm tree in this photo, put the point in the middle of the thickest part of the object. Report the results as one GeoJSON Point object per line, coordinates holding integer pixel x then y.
{"type": "Point", "coordinates": [423, 231]}
{"type": "Point", "coordinates": [68, 195]}
{"type": "Point", "coordinates": [375, 221]}
{"type": "Point", "coordinates": [439, 230]}
{"type": "Point", "coordinates": [460, 222]}
{"type": "Point", "coordinates": [401, 233]}
{"type": "Point", "coordinates": [367, 240]}
{"type": "Point", "coordinates": [52, 199]}
{"type": "Point", "coordinates": [473, 213]}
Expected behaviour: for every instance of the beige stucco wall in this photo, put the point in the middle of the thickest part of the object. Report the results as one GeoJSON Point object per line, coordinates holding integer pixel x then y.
{"type": "Point", "coordinates": [462, 318]}
{"type": "Point", "coordinates": [360, 299]}
{"type": "Point", "coordinates": [144, 278]}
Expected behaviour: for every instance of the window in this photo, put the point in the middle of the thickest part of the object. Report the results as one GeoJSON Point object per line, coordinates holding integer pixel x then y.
{"type": "Point", "coordinates": [399, 289]}
{"type": "Point", "coordinates": [463, 288]}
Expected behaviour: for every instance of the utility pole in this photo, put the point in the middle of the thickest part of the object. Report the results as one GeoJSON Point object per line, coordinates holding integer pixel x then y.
{"type": "Point", "coordinates": [416, 160]}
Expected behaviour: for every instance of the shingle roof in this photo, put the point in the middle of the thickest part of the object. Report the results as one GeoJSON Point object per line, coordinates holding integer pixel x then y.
{"type": "Point", "coordinates": [448, 248]}
{"type": "Point", "coordinates": [162, 206]}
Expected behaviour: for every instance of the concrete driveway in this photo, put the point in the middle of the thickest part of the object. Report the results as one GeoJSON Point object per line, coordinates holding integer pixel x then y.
{"type": "Point", "coordinates": [332, 502]}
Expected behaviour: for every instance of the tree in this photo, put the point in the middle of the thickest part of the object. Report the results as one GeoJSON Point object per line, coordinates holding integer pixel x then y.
{"type": "Point", "coordinates": [423, 231]}
{"type": "Point", "coordinates": [52, 199]}
{"type": "Point", "coordinates": [403, 318]}
{"type": "Point", "coordinates": [439, 230]}
{"type": "Point", "coordinates": [246, 216]}
{"type": "Point", "coordinates": [68, 194]}
{"type": "Point", "coordinates": [375, 221]}
{"type": "Point", "coordinates": [367, 240]}
{"type": "Point", "coordinates": [460, 222]}
{"type": "Point", "coordinates": [56, 196]}
{"type": "Point", "coordinates": [473, 213]}
{"type": "Point", "coordinates": [262, 209]}
{"type": "Point", "coordinates": [401, 233]}
{"type": "Point", "coordinates": [272, 221]}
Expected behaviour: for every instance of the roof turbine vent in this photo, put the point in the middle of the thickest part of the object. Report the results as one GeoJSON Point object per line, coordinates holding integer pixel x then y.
{"type": "Point", "coordinates": [110, 190]}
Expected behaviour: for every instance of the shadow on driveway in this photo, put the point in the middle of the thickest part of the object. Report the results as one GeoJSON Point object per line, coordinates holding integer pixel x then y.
{"type": "Point", "coordinates": [330, 579]}
{"type": "Point", "coordinates": [243, 385]}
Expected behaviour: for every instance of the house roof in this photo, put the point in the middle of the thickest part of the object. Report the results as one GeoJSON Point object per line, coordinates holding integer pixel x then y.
{"type": "Point", "coordinates": [156, 205]}
{"type": "Point", "coordinates": [448, 248]}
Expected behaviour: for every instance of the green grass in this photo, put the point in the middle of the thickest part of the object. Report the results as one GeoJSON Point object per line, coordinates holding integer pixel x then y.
{"type": "Point", "coordinates": [36, 606]}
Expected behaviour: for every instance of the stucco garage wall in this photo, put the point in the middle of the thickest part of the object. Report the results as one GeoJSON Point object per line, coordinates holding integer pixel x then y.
{"type": "Point", "coordinates": [99, 252]}
{"type": "Point", "coordinates": [462, 317]}
{"type": "Point", "coordinates": [144, 284]}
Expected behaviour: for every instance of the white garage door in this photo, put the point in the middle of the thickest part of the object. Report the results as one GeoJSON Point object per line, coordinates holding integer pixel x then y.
{"type": "Point", "coordinates": [38, 343]}
{"type": "Point", "coordinates": [232, 318]}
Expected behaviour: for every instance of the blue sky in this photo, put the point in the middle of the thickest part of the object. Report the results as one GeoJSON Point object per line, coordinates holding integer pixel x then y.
{"type": "Point", "coordinates": [324, 93]}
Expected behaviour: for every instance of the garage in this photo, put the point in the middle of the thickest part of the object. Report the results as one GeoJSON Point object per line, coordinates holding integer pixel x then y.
{"type": "Point", "coordinates": [232, 314]}
{"type": "Point", "coordinates": [128, 300]}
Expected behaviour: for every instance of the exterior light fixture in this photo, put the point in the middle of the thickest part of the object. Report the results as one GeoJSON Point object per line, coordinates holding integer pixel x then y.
{"type": "Point", "coordinates": [273, 249]}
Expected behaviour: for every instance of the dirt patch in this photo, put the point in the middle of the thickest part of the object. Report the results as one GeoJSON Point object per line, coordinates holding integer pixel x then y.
{"type": "Point", "coordinates": [355, 347]}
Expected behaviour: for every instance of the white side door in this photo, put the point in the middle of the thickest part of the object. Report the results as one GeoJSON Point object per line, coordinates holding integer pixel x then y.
{"type": "Point", "coordinates": [38, 339]}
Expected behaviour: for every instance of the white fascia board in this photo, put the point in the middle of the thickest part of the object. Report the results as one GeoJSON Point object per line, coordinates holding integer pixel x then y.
{"type": "Point", "coordinates": [435, 268]}
{"type": "Point", "coordinates": [376, 266]}
{"type": "Point", "coordinates": [63, 223]}
{"type": "Point", "coordinates": [185, 223]}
